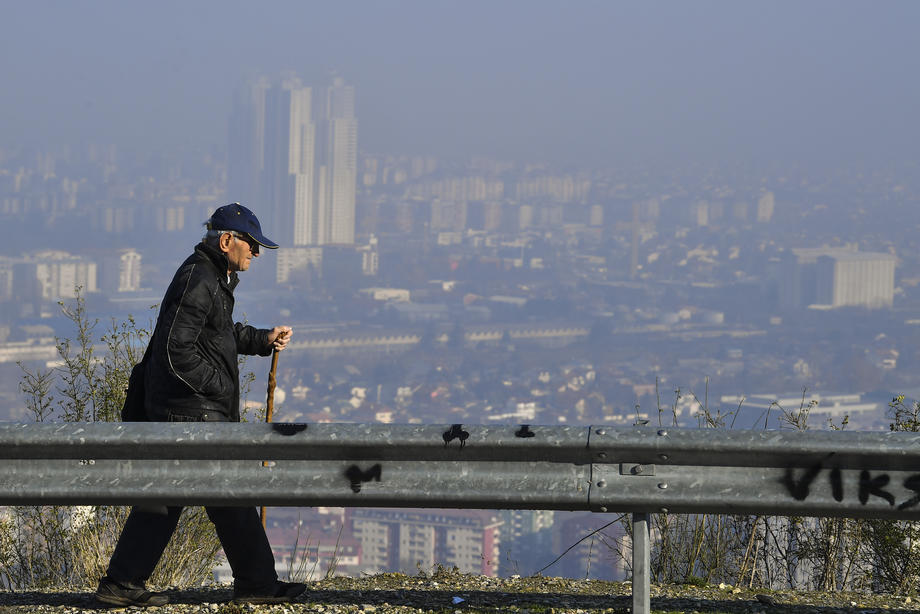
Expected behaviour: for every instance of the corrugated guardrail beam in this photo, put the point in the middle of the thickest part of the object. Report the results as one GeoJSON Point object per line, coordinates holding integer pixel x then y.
{"type": "Point", "coordinates": [287, 441]}
{"type": "Point", "coordinates": [506, 443]}
{"type": "Point", "coordinates": [476, 485]}
{"type": "Point", "coordinates": [597, 468]}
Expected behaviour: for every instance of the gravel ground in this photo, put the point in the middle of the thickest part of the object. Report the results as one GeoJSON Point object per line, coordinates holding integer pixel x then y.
{"type": "Point", "coordinates": [454, 593]}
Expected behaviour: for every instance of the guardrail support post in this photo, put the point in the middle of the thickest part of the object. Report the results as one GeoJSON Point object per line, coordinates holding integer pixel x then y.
{"type": "Point", "coordinates": [640, 564]}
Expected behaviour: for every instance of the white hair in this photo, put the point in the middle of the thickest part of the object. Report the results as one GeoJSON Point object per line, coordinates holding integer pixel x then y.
{"type": "Point", "coordinates": [212, 237]}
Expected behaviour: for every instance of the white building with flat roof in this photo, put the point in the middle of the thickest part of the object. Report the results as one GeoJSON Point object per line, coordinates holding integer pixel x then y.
{"type": "Point", "coordinates": [828, 278]}
{"type": "Point", "coordinates": [121, 271]}
{"type": "Point", "coordinates": [59, 274]}
{"type": "Point", "coordinates": [860, 279]}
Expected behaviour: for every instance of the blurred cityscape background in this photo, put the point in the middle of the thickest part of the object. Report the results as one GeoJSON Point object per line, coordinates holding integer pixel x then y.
{"type": "Point", "coordinates": [476, 286]}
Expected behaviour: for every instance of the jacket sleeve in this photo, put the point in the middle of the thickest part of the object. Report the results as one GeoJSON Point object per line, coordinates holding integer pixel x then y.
{"type": "Point", "coordinates": [185, 359]}
{"type": "Point", "coordinates": [251, 340]}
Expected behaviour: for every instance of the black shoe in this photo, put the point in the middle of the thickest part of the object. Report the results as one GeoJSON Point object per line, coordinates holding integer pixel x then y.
{"type": "Point", "coordinates": [128, 593]}
{"type": "Point", "coordinates": [282, 592]}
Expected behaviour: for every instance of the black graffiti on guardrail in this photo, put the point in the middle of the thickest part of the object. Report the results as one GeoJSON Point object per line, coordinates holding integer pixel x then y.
{"type": "Point", "coordinates": [288, 428]}
{"type": "Point", "coordinates": [357, 476]}
{"type": "Point", "coordinates": [524, 432]}
{"type": "Point", "coordinates": [456, 432]}
{"type": "Point", "coordinates": [869, 485]}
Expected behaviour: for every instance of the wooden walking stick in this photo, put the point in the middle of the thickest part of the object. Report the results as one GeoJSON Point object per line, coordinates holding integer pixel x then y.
{"type": "Point", "coordinates": [269, 410]}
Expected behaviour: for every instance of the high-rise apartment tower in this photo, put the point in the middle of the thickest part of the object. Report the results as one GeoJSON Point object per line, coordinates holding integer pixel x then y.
{"type": "Point", "coordinates": [296, 165]}
{"type": "Point", "coordinates": [340, 172]}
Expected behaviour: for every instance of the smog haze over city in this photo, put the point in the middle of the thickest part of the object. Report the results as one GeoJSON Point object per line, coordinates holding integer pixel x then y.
{"type": "Point", "coordinates": [517, 212]}
{"type": "Point", "coordinates": [583, 84]}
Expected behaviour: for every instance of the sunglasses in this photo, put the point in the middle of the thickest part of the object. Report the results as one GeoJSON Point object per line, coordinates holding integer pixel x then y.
{"type": "Point", "coordinates": [253, 245]}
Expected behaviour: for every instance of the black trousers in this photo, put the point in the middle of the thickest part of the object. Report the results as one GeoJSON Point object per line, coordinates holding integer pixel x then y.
{"type": "Point", "coordinates": [148, 530]}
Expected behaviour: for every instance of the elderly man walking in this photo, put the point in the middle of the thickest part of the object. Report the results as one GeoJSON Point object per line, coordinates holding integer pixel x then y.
{"type": "Point", "coordinates": [191, 375]}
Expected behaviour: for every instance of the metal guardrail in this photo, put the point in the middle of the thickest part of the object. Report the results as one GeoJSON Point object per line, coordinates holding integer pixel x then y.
{"type": "Point", "coordinates": [597, 468]}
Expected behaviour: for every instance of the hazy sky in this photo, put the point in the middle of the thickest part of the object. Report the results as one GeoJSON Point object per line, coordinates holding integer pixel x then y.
{"type": "Point", "coordinates": [567, 81]}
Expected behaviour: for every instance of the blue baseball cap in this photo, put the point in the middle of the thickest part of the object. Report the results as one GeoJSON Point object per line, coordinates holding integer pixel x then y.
{"type": "Point", "coordinates": [237, 217]}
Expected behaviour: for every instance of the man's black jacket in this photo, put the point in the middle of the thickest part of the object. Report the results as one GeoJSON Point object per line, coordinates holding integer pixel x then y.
{"type": "Point", "coordinates": [193, 373]}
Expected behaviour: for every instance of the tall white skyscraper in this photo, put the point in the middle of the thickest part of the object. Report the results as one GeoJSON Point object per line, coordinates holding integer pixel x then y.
{"type": "Point", "coordinates": [341, 169]}
{"type": "Point", "coordinates": [296, 170]}
{"type": "Point", "coordinates": [290, 159]}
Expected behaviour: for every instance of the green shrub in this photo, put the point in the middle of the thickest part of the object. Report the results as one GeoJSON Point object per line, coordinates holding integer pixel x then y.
{"type": "Point", "coordinates": [70, 546]}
